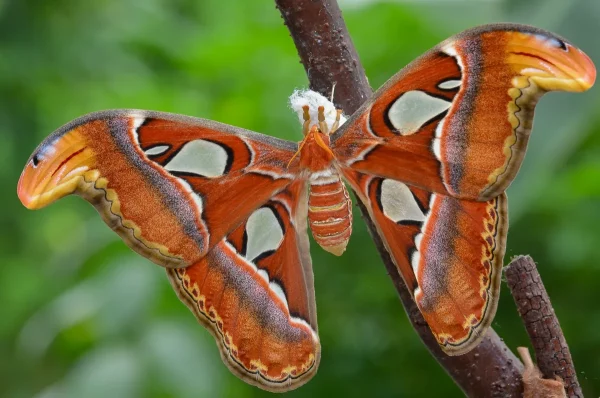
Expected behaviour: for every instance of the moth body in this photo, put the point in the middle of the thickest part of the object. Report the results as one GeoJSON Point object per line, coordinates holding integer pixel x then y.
{"type": "Point", "coordinates": [330, 213]}
{"type": "Point", "coordinates": [329, 205]}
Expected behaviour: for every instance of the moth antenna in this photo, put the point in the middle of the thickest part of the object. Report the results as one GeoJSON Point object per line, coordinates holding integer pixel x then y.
{"type": "Point", "coordinates": [299, 147]}
{"type": "Point", "coordinates": [332, 91]}
{"type": "Point", "coordinates": [336, 123]}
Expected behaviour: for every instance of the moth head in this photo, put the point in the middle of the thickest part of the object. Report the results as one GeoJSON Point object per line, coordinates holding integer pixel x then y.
{"type": "Point", "coordinates": [55, 169]}
{"type": "Point", "coordinates": [551, 62]}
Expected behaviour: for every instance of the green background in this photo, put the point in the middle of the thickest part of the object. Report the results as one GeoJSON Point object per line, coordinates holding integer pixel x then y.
{"type": "Point", "coordinates": [82, 316]}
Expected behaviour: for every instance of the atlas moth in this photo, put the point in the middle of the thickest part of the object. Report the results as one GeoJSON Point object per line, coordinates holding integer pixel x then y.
{"type": "Point", "coordinates": [226, 210]}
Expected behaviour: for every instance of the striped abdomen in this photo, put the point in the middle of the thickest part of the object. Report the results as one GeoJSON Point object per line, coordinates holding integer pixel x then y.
{"type": "Point", "coordinates": [330, 213]}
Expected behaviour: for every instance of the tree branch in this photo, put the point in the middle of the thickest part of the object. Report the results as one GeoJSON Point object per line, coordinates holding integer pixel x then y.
{"type": "Point", "coordinates": [329, 57]}
{"type": "Point", "coordinates": [326, 51]}
{"type": "Point", "coordinates": [551, 349]}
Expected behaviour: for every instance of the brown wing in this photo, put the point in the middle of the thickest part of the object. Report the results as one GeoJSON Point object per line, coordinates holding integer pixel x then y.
{"type": "Point", "coordinates": [449, 252]}
{"type": "Point", "coordinates": [457, 120]}
{"type": "Point", "coordinates": [254, 292]}
{"type": "Point", "coordinates": [171, 186]}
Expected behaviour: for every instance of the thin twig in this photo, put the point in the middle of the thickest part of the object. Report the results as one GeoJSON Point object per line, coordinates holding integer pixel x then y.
{"type": "Point", "coordinates": [551, 349]}
{"type": "Point", "coordinates": [329, 57]}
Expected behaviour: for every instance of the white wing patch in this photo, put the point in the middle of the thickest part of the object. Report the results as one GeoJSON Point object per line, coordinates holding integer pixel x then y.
{"type": "Point", "coordinates": [263, 274]}
{"type": "Point", "coordinates": [264, 233]}
{"type": "Point", "coordinates": [550, 41]}
{"type": "Point", "coordinates": [449, 84]}
{"type": "Point", "coordinates": [413, 109]}
{"type": "Point", "coordinates": [418, 240]}
{"type": "Point", "coordinates": [137, 122]}
{"type": "Point", "coordinates": [197, 199]}
{"type": "Point", "coordinates": [398, 203]}
{"type": "Point", "coordinates": [277, 289]}
{"type": "Point", "coordinates": [416, 257]}
{"type": "Point", "coordinates": [436, 143]}
{"type": "Point", "coordinates": [200, 157]}
{"type": "Point", "coordinates": [156, 150]}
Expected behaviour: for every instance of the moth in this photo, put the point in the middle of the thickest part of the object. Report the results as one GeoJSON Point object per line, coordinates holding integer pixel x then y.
{"type": "Point", "coordinates": [226, 210]}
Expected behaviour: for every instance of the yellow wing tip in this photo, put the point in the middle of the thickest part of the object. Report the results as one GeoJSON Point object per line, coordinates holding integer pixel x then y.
{"type": "Point", "coordinates": [55, 169]}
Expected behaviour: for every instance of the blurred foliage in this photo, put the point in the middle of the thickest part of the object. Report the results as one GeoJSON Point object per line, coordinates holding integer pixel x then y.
{"type": "Point", "coordinates": [82, 316]}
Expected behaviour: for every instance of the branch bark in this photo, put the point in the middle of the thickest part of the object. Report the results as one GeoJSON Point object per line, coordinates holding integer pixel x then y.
{"type": "Point", "coordinates": [549, 343]}
{"type": "Point", "coordinates": [329, 57]}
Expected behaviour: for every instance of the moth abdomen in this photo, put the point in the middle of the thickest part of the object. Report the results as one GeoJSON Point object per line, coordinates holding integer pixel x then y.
{"type": "Point", "coordinates": [330, 213]}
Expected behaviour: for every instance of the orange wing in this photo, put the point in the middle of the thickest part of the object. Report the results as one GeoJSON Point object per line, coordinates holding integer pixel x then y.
{"type": "Point", "coordinates": [432, 153]}
{"type": "Point", "coordinates": [449, 251]}
{"type": "Point", "coordinates": [254, 292]}
{"type": "Point", "coordinates": [457, 120]}
{"type": "Point", "coordinates": [215, 204]}
{"type": "Point", "coordinates": [171, 186]}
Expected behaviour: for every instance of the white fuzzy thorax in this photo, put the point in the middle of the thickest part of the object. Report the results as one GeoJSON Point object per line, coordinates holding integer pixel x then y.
{"type": "Point", "coordinates": [299, 98]}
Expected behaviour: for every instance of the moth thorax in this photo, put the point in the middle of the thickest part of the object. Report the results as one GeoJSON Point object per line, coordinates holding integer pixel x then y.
{"type": "Point", "coordinates": [330, 212]}
{"type": "Point", "coordinates": [315, 154]}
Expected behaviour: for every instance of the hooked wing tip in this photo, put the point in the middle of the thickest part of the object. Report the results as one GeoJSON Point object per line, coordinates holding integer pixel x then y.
{"type": "Point", "coordinates": [588, 77]}
{"type": "Point", "coordinates": [55, 169]}
{"type": "Point", "coordinates": [552, 63]}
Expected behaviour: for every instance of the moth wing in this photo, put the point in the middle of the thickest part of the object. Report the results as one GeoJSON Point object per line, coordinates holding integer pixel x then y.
{"type": "Point", "coordinates": [171, 186]}
{"type": "Point", "coordinates": [448, 250]}
{"type": "Point", "coordinates": [254, 292]}
{"type": "Point", "coordinates": [456, 121]}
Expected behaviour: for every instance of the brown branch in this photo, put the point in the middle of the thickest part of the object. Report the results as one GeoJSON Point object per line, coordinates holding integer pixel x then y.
{"type": "Point", "coordinates": [329, 58]}
{"type": "Point", "coordinates": [326, 51]}
{"type": "Point", "coordinates": [551, 349]}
